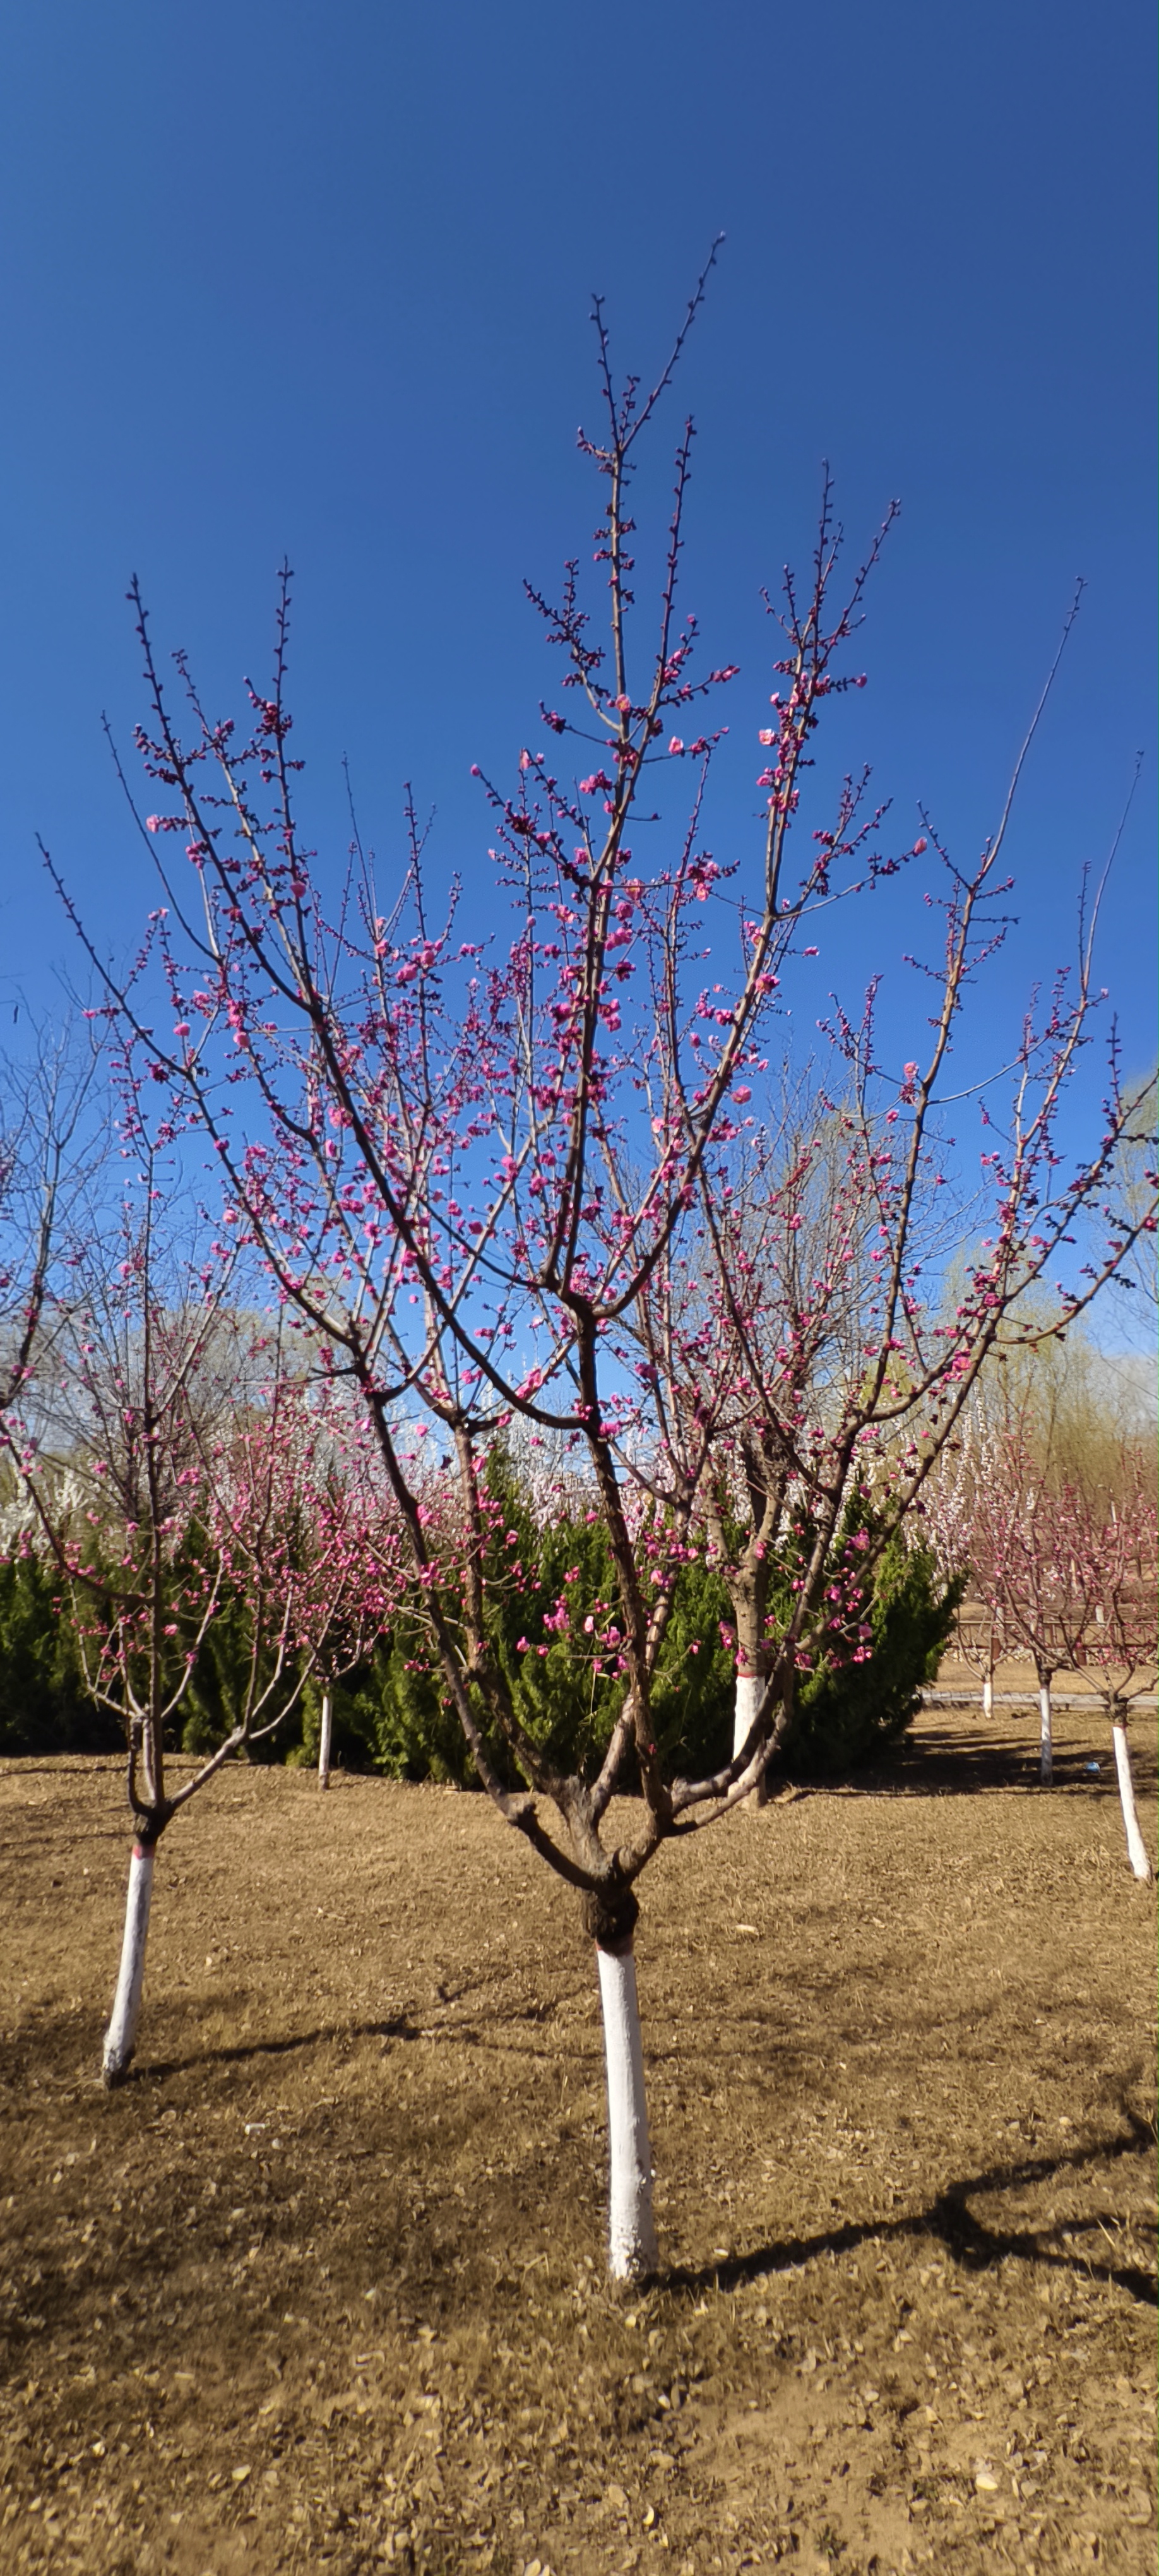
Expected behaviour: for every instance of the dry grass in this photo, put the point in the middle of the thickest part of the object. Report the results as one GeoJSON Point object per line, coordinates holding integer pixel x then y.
{"type": "Point", "coordinates": [323, 2285]}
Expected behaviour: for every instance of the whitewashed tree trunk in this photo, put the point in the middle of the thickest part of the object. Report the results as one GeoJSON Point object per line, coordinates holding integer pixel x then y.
{"type": "Point", "coordinates": [748, 1690]}
{"type": "Point", "coordinates": [121, 2035]}
{"type": "Point", "coordinates": [1136, 1847]}
{"type": "Point", "coordinates": [1045, 1736]}
{"type": "Point", "coordinates": [632, 2247]}
{"type": "Point", "coordinates": [988, 1696]}
{"type": "Point", "coordinates": [324, 1739]}
{"type": "Point", "coordinates": [749, 1687]}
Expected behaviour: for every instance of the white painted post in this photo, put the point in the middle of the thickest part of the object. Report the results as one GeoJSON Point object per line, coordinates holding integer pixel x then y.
{"type": "Point", "coordinates": [324, 1738]}
{"type": "Point", "coordinates": [1136, 1847]}
{"type": "Point", "coordinates": [121, 2035]}
{"type": "Point", "coordinates": [632, 2247]}
{"type": "Point", "coordinates": [1045, 1736]}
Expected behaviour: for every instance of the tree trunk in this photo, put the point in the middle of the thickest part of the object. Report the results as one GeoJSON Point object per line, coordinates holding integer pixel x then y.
{"type": "Point", "coordinates": [632, 2248]}
{"type": "Point", "coordinates": [324, 1739]}
{"type": "Point", "coordinates": [1136, 1847]}
{"type": "Point", "coordinates": [121, 2035]}
{"type": "Point", "coordinates": [988, 1696]}
{"type": "Point", "coordinates": [1045, 1734]}
{"type": "Point", "coordinates": [749, 1687]}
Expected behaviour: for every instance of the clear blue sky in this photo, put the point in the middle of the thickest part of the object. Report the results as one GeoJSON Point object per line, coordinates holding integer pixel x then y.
{"type": "Point", "coordinates": [316, 279]}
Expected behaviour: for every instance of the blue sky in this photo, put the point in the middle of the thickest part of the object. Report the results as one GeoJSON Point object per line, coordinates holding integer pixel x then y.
{"type": "Point", "coordinates": [316, 280]}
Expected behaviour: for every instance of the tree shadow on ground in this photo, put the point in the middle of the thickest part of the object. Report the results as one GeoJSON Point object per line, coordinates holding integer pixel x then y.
{"type": "Point", "coordinates": [943, 1760]}
{"type": "Point", "coordinates": [32, 2051]}
{"type": "Point", "coordinates": [760, 2044]}
{"type": "Point", "coordinates": [398, 2026]}
{"type": "Point", "coordinates": [967, 2239]}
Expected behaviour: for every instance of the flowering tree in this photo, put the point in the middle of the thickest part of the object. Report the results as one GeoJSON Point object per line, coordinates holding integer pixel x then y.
{"type": "Point", "coordinates": [465, 1167]}
{"type": "Point", "coordinates": [781, 1341]}
{"type": "Point", "coordinates": [348, 1566]}
{"type": "Point", "coordinates": [306, 1542]}
{"type": "Point", "coordinates": [998, 1514]}
{"type": "Point", "coordinates": [168, 1464]}
{"type": "Point", "coordinates": [1107, 1545]}
{"type": "Point", "coordinates": [1065, 1564]}
{"type": "Point", "coordinates": [978, 1635]}
{"type": "Point", "coordinates": [107, 1462]}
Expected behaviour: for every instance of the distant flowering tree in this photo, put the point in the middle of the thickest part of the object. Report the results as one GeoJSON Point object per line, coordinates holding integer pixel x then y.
{"type": "Point", "coordinates": [107, 1460]}
{"type": "Point", "coordinates": [999, 1514]}
{"type": "Point", "coordinates": [977, 1637]}
{"type": "Point", "coordinates": [1065, 1564]}
{"type": "Point", "coordinates": [776, 1336]}
{"type": "Point", "coordinates": [348, 1574]}
{"type": "Point", "coordinates": [1108, 1546]}
{"type": "Point", "coordinates": [169, 1465]}
{"type": "Point", "coordinates": [306, 1537]}
{"type": "Point", "coordinates": [465, 1165]}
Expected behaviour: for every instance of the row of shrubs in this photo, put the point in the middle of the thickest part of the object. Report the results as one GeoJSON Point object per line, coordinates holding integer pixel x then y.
{"type": "Point", "coordinates": [391, 1716]}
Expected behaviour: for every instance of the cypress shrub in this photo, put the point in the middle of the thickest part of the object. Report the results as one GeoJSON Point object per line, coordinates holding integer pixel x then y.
{"type": "Point", "coordinates": [44, 1707]}
{"type": "Point", "coordinates": [847, 1713]}
{"type": "Point", "coordinates": [391, 1714]}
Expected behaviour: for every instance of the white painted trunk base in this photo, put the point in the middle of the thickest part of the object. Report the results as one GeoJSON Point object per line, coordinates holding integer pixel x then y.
{"type": "Point", "coordinates": [1136, 1847]}
{"type": "Point", "coordinates": [1045, 1736]}
{"type": "Point", "coordinates": [632, 2247]}
{"type": "Point", "coordinates": [988, 1696]}
{"type": "Point", "coordinates": [121, 2035]}
{"type": "Point", "coordinates": [749, 1690]}
{"type": "Point", "coordinates": [324, 1740]}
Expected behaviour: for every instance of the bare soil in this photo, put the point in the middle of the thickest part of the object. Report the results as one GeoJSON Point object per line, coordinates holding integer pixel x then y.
{"type": "Point", "coordinates": [322, 2286]}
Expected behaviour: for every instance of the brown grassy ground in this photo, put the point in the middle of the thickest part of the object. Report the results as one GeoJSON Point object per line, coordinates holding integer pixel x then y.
{"type": "Point", "coordinates": [322, 2286]}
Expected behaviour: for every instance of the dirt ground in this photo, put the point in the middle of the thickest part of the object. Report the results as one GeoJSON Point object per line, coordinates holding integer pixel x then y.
{"type": "Point", "coordinates": [322, 2286]}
